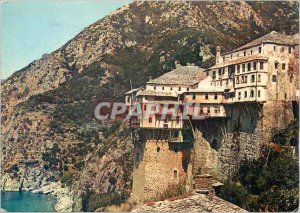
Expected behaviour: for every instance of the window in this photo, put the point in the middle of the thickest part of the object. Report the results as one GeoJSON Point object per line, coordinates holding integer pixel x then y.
{"type": "Point", "coordinates": [194, 96]}
{"type": "Point", "coordinates": [206, 96]}
{"type": "Point", "coordinates": [261, 65]}
{"type": "Point", "coordinates": [244, 66]}
{"type": "Point", "coordinates": [252, 93]}
{"type": "Point", "coordinates": [201, 110]}
{"type": "Point", "coordinates": [252, 78]}
{"type": "Point", "coordinates": [274, 78]}
{"type": "Point", "coordinates": [175, 173]}
{"type": "Point", "coordinates": [237, 80]}
{"type": "Point", "coordinates": [249, 66]}
{"type": "Point", "coordinates": [179, 88]}
{"type": "Point", "coordinates": [251, 52]}
{"type": "Point", "coordinates": [158, 149]}
{"type": "Point", "coordinates": [246, 79]}
{"type": "Point", "coordinates": [208, 110]}
{"type": "Point", "coordinates": [217, 110]}
{"type": "Point", "coordinates": [245, 94]}
{"type": "Point", "coordinates": [259, 78]}
{"type": "Point", "coordinates": [150, 119]}
{"type": "Point", "coordinates": [216, 96]}
{"type": "Point", "coordinates": [154, 87]}
{"type": "Point", "coordinates": [290, 49]}
{"type": "Point", "coordinates": [239, 95]}
{"type": "Point", "coordinates": [231, 70]}
{"type": "Point", "coordinates": [283, 66]}
{"type": "Point", "coordinates": [137, 156]}
{"type": "Point", "coordinates": [244, 53]}
{"type": "Point", "coordinates": [238, 68]}
{"type": "Point", "coordinates": [223, 58]}
{"type": "Point", "coordinates": [274, 48]}
{"type": "Point", "coordinates": [254, 65]}
{"type": "Point", "coordinates": [243, 79]}
{"type": "Point", "coordinates": [187, 89]}
{"type": "Point", "coordinates": [258, 93]}
{"type": "Point", "coordinates": [163, 88]}
{"type": "Point", "coordinates": [259, 49]}
{"type": "Point", "coordinates": [171, 88]}
{"type": "Point", "coordinates": [276, 65]}
{"type": "Point", "coordinates": [145, 106]}
{"type": "Point", "coordinates": [231, 56]}
{"type": "Point", "coordinates": [282, 49]}
{"type": "Point", "coordinates": [220, 71]}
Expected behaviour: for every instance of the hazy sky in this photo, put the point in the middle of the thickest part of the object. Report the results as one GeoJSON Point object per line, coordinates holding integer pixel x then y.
{"type": "Point", "coordinates": [30, 28]}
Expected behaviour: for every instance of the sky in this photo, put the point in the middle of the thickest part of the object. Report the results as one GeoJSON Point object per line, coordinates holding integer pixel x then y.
{"type": "Point", "coordinates": [30, 28]}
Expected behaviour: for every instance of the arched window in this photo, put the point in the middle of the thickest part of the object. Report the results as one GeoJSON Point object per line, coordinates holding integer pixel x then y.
{"type": "Point", "coordinates": [175, 173]}
{"type": "Point", "coordinates": [214, 144]}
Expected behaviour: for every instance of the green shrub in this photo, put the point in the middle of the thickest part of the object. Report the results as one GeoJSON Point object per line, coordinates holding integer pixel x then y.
{"type": "Point", "coordinates": [67, 178]}
{"type": "Point", "coordinates": [79, 165]}
{"type": "Point", "coordinates": [172, 191]}
{"type": "Point", "coordinates": [267, 184]}
{"type": "Point", "coordinates": [14, 168]}
{"type": "Point", "coordinates": [95, 201]}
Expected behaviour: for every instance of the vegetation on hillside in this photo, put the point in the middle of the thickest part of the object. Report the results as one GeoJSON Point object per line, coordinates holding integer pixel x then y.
{"type": "Point", "coordinates": [270, 183]}
{"type": "Point", "coordinates": [53, 124]}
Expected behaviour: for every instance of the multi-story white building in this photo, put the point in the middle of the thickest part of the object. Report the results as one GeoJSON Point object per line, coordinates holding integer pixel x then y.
{"type": "Point", "coordinates": [257, 71]}
{"type": "Point", "coordinates": [262, 70]}
{"type": "Point", "coordinates": [166, 89]}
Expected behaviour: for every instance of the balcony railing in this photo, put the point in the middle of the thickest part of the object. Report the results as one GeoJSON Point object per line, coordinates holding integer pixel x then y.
{"type": "Point", "coordinates": [176, 139]}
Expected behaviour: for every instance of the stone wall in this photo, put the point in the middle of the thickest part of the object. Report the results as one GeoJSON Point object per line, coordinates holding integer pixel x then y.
{"type": "Point", "coordinates": [158, 165]}
{"type": "Point", "coordinates": [222, 144]}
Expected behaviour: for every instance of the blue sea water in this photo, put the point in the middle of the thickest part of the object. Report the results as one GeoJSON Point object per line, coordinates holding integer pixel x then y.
{"type": "Point", "coordinates": [25, 201]}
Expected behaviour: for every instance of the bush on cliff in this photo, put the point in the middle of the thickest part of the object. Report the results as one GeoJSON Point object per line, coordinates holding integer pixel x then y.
{"type": "Point", "coordinates": [269, 183]}
{"type": "Point", "coordinates": [93, 201]}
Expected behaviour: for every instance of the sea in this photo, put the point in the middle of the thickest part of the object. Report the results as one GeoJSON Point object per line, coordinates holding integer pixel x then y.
{"type": "Point", "coordinates": [25, 201]}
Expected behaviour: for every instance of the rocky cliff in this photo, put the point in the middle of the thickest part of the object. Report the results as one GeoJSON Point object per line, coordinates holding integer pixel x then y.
{"type": "Point", "coordinates": [47, 107]}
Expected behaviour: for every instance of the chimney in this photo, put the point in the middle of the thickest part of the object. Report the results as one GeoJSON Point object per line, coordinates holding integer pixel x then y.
{"type": "Point", "coordinates": [218, 54]}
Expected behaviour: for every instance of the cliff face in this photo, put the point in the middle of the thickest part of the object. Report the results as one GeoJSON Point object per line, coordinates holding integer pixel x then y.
{"type": "Point", "coordinates": [221, 146]}
{"type": "Point", "coordinates": [47, 107]}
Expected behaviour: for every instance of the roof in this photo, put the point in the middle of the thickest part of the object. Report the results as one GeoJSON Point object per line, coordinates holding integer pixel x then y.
{"type": "Point", "coordinates": [272, 37]}
{"type": "Point", "coordinates": [206, 86]}
{"type": "Point", "coordinates": [239, 60]}
{"type": "Point", "coordinates": [145, 92]}
{"type": "Point", "coordinates": [182, 75]}
{"type": "Point", "coordinates": [132, 91]}
{"type": "Point", "coordinates": [191, 203]}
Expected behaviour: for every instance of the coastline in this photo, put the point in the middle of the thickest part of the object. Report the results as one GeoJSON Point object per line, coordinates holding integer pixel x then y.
{"type": "Point", "coordinates": [62, 195]}
{"type": "Point", "coordinates": [63, 198]}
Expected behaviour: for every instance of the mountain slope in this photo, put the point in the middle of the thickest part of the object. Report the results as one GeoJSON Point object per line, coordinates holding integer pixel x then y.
{"type": "Point", "coordinates": [47, 111]}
